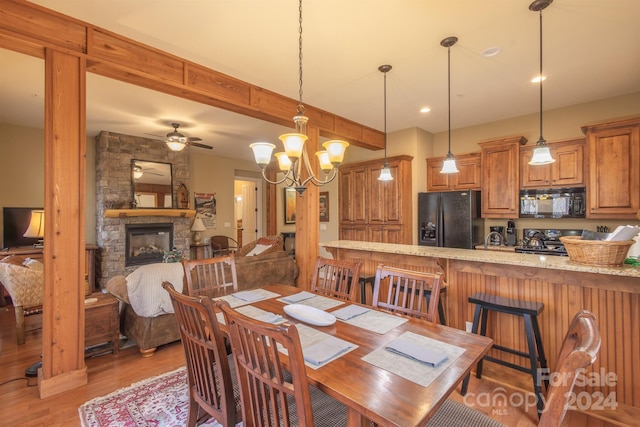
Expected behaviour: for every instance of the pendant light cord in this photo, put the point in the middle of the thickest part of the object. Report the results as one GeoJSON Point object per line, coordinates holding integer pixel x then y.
{"type": "Point", "coordinates": [541, 140]}
{"type": "Point", "coordinates": [300, 104]}
{"type": "Point", "coordinates": [449, 94]}
{"type": "Point", "coordinates": [385, 118]}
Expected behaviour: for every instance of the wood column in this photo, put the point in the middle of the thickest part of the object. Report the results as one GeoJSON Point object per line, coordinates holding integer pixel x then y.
{"type": "Point", "coordinates": [307, 217]}
{"type": "Point", "coordinates": [63, 366]}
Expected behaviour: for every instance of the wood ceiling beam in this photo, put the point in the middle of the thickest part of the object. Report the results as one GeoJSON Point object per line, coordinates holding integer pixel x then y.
{"type": "Point", "coordinates": [24, 26]}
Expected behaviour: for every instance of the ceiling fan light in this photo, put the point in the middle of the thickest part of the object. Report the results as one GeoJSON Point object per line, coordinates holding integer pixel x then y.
{"type": "Point", "coordinates": [293, 144]}
{"type": "Point", "coordinates": [449, 165]}
{"type": "Point", "coordinates": [176, 145]}
{"type": "Point", "coordinates": [262, 152]}
{"type": "Point", "coordinates": [541, 156]}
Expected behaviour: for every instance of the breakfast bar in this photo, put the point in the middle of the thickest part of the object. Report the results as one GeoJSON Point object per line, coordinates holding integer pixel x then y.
{"type": "Point", "coordinates": [564, 287]}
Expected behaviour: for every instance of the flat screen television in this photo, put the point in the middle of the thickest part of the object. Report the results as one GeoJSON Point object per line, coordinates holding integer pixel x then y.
{"type": "Point", "coordinates": [14, 223]}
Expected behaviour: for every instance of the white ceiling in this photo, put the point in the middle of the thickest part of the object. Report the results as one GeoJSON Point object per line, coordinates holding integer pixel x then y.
{"type": "Point", "coordinates": [591, 52]}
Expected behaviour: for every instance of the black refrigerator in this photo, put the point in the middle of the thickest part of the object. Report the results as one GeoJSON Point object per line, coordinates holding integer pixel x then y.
{"type": "Point", "coordinates": [450, 219]}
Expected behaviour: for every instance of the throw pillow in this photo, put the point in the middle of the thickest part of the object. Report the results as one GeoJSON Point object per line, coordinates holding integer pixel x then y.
{"type": "Point", "coordinates": [258, 249]}
{"type": "Point", "coordinates": [173, 255]}
{"type": "Point", "coordinates": [33, 264]}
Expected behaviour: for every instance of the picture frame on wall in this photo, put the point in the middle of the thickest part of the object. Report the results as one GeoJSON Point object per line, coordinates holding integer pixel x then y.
{"type": "Point", "coordinates": [289, 205]}
{"type": "Point", "coordinates": [323, 206]}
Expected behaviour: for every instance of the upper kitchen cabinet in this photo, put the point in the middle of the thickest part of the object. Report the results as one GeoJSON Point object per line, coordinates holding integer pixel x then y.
{"type": "Point", "coordinates": [469, 176]}
{"type": "Point", "coordinates": [353, 196]}
{"type": "Point", "coordinates": [501, 176]}
{"type": "Point", "coordinates": [566, 171]}
{"type": "Point", "coordinates": [613, 150]}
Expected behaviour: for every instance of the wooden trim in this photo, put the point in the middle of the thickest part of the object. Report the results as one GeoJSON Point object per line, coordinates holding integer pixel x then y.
{"type": "Point", "coordinates": [127, 213]}
{"type": "Point", "coordinates": [115, 56]}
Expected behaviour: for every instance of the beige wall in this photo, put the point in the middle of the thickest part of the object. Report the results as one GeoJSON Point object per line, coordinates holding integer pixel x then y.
{"type": "Point", "coordinates": [22, 172]}
{"type": "Point", "coordinates": [21, 168]}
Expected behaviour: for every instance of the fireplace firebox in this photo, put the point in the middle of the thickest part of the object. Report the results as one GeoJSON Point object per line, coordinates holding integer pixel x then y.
{"type": "Point", "coordinates": [146, 243]}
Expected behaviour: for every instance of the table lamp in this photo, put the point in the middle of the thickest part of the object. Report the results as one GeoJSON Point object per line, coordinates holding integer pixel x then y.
{"type": "Point", "coordinates": [198, 227]}
{"type": "Point", "coordinates": [36, 228]}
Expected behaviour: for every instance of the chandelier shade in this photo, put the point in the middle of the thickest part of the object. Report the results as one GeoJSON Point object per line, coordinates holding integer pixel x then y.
{"type": "Point", "coordinates": [541, 154]}
{"type": "Point", "coordinates": [291, 160]}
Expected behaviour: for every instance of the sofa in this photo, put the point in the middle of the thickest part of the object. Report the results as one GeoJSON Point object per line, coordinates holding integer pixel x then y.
{"type": "Point", "coordinates": [146, 312]}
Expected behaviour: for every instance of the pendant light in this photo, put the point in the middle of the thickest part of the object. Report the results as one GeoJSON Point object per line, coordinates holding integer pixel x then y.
{"type": "Point", "coordinates": [385, 172]}
{"type": "Point", "coordinates": [541, 154]}
{"type": "Point", "coordinates": [449, 165]}
{"type": "Point", "coordinates": [295, 151]}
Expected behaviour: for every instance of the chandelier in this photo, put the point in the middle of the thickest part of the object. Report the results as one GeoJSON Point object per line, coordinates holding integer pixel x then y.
{"type": "Point", "coordinates": [295, 152]}
{"type": "Point", "coordinates": [541, 154]}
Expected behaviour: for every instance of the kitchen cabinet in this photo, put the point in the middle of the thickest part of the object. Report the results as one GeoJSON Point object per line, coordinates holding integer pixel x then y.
{"type": "Point", "coordinates": [501, 177]}
{"type": "Point", "coordinates": [566, 171]}
{"type": "Point", "coordinates": [365, 202]}
{"type": "Point", "coordinates": [353, 197]}
{"type": "Point", "coordinates": [613, 150]}
{"type": "Point", "coordinates": [469, 177]}
{"type": "Point", "coordinates": [385, 234]}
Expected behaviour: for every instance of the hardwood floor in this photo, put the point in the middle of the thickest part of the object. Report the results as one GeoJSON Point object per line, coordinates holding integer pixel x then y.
{"type": "Point", "coordinates": [20, 404]}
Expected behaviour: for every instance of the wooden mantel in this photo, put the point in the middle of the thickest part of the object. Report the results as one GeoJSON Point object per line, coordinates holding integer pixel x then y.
{"type": "Point", "coordinates": [123, 213]}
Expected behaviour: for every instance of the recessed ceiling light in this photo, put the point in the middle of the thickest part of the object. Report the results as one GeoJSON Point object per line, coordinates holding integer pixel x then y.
{"type": "Point", "coordinates": [537, 79]}
{"type": "Point", "coordinates": [425, 109]}
{"type": "Point", "coordinates": [492, 51]}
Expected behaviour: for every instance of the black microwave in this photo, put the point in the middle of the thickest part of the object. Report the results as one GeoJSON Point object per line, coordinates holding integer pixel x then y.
{"type": "Point", "coordinates": [553, 203]}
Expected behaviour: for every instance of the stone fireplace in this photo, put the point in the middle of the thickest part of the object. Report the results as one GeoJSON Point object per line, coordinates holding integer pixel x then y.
{"type": "Point", "coordinates": [114, 190]}
{"type": "Point", "coordinates": [147, 243]}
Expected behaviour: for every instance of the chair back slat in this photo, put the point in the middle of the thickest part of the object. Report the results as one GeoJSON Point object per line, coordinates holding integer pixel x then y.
{"type": "Point", "coordinates": [271, 395]}
{"type": "Point", "coordinates": [336, 278]}
{"type": "Point", "coordinates": [208, 371]}
{"type": "Point", "coordinates": [211, 277]}
{"type": "Point", "coordinates": [413, 293]}
{"type": "Point", "coordinates": [579, 351]}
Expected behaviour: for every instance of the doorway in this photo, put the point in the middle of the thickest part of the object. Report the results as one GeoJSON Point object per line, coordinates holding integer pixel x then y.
{"type": "Point", "coordinates": [248, 203]}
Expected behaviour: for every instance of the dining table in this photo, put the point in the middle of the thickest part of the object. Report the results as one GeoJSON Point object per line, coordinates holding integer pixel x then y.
{"type": "Point", "coordinates": [375, 384]}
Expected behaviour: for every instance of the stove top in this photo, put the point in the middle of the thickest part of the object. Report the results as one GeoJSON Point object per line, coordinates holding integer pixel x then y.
{"type": "Point", "coordinates": [551, 244]}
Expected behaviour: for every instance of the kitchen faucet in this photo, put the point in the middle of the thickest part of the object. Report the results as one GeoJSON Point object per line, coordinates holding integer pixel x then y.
{"type": "Point", "coordinates": [486, 239]}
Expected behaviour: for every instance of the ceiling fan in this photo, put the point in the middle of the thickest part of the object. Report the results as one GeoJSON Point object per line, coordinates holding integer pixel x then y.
{"type": "Point", "coordinates": [177, 141]}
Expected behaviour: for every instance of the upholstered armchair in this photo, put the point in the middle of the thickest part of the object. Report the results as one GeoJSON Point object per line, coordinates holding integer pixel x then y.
{"type": "Point", "coordinates": [26, 288]}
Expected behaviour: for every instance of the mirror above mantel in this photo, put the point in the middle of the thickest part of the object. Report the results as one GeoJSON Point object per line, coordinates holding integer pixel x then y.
{"type": "Point", "coordinates": [152, 184]}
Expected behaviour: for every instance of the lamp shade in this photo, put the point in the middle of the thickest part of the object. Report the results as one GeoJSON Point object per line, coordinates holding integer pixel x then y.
{"type": "Point", "coordinates": [36, 225]}
{"type": "Point", "coordinates": [262, 152]}
{"type": "Point", "coordinates": [198, 225]}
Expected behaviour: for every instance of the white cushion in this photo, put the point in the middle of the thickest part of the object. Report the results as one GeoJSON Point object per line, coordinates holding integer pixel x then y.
{"type": "Point", "coordinates": [144, 286]}
{"type": "Point", "coordinates": [258, 249]}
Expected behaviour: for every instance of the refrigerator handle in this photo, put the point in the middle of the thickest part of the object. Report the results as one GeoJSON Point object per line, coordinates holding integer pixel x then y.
{"type": "Point", "coordinates": [439, 224]}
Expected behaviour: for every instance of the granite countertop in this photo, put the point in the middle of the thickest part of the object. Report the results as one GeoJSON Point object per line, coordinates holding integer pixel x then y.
{"type": "Point", "coordinates": [504, 258]}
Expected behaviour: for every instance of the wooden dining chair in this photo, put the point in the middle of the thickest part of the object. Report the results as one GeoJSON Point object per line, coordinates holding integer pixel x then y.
{"type": "Point", "coordinates": [336, 278]}
{"type": "Point", "coordinates": [213, 390]}
{"type": "Point", "coordinates": [579, 351]}
{"type": "Point", "coordinates": [211, 277]}
{"type": "Point", "coordinates": [414, 293]}
{"type": "Point", "coordinates": [272, 394]}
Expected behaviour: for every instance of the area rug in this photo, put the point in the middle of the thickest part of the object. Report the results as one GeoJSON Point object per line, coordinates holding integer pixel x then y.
{"type": "Point", "coordinates": [156, 401]}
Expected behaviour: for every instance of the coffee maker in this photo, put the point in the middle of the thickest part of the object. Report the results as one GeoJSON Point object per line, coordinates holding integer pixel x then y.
{"type": "Point", "coordinates": [496, 240]}
{"type": "Point", "coordinates": [512, 234]}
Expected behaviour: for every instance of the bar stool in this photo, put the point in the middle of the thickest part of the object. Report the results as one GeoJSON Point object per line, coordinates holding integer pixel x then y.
{"type": "Point", "coordinates": [529, 310]}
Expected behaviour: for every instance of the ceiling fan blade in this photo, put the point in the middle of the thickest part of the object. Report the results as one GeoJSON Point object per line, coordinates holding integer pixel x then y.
{"type": "Point", "coordinates": [195, 144]}
{"type": "Point", "coordinates": [193, 139]}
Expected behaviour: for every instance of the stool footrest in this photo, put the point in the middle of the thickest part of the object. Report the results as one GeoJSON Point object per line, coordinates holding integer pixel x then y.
{"type": "Point", "coordinates": [508, 364]}
{"type": "Point", "coordinates": [510, 350]}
